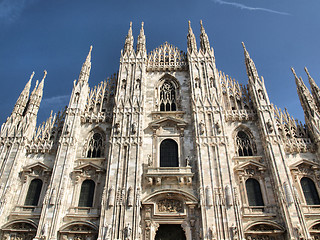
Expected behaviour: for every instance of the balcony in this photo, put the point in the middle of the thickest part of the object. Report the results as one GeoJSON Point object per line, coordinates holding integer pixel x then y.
{"type": "Point", "coordinates": [157, 175]}
{"type": "Point", "coordinates": [250, 211]}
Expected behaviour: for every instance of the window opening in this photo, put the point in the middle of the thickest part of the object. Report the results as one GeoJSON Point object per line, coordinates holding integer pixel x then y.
{"type": "Point", "coordinates": [169, 153]}
{"type": "Point", "coordinates": [168, 97]}
{"type": "Point", "coordinates": [244, 144]}
{"type": "Point", "coordinates": [310, 191]}
{"type": "Point", "coordinates": [33, 194]}
{"type": "Point", "coordinates": [95, 146]}
{"type": "Point", "coordinates": [254, 192]}
{"type": "Point", "coordinates": [86, 193]}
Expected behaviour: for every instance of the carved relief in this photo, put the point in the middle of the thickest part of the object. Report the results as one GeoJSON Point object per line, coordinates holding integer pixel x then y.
{"type": "Point", "coordinates": [170, 206]}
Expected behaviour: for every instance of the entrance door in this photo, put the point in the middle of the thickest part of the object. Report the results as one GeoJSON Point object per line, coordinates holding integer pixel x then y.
{"type": "Point", "coordinates": [170, 232]}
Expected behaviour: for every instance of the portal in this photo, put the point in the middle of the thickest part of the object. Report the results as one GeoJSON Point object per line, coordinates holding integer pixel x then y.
{"type": "Point", "coordinates": [170, 232]}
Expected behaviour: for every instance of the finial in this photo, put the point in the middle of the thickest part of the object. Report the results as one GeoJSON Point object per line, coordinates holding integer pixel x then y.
{"type": "Point", "coordinates": [294, 73]}
{"type": "Point", "coordinates": [307, 72]}
{"type": "Point", "coordinates": [88, 59]}
{"type": "Point", "coordinates": [246, 53]}
{"type": "Point", "coordinates": [142, 30]}
{"type": "Point", "coordinates": [202, 28]}
{"type": "Point", "coordinates": [244, 46]}
{"type": "Point", "coordinates": [130, 29]}
{"type": "Point", "coordinates": [32, 74]}
{"type": "Point", "coordinates": [45, 74]}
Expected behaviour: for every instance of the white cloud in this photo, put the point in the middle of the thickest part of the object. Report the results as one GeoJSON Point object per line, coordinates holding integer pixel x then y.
{"type": "Point", "coordinates": [242, 6]}
{"type": "Point", "coordinates": [10, 10]}
{"type": "Point", "coordinates": [56, 101]}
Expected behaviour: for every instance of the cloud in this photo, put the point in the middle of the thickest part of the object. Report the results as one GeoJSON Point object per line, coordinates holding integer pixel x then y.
{"type": "Point", "coordinates": [56, 101]}
{"type": "Point", "coordinates": [10, 10]}
{"type": "Point", "coordinates": [244, 7]}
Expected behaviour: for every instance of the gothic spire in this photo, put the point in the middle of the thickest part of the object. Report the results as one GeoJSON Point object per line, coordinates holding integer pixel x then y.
{"type": "Point", "coordinates": [250, 66]}
{"type": "Point", "coordinates": [128, 45]}
{"type": "Point", "coordinates": [192, 45]}
{"type": "Point", "coordinates": [36, 95]}
{"type": "Point", "coordinates": [315, 90]}
{"type": "Point", "coordinates": [305, 96]}
{"type": "Point", "coordinates": [86, 67]}
{"type": "Point", "coordinates": [23, 98]}
{"type": "Point", "coordinates": [141, 42]}
{"type": "Point", "coordinates": [204, 40]}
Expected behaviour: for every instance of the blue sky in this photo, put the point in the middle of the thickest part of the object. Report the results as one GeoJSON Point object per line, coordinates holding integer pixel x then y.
{"type": "Point", "coordinates": [56, 35]}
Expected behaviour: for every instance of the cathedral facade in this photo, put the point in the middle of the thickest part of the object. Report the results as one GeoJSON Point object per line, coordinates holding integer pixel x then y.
{"type": "Point", "coordinates": [168, 148]}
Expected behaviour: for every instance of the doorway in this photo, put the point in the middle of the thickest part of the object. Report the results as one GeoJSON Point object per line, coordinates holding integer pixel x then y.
{"type": "Point", "coordinates": [170, 232]}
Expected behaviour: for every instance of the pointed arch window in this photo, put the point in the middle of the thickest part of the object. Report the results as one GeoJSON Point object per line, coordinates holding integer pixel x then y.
{"type": "Point", "coordinates": [310, 191]}
{"type": "Point", "coordinates": [254, 192]}
{"type": "Point", "coordinates": [95, 147]}
{"type": "Point", "coordinates": [168, 96]}
{"type": "Point", "coordinates": [169, 153]}
{"type": "Point", "coordinates": [33, 193]}
{"type": "Point", "coordinates": [86, 193]}
{"type": "Point", "coordinates": [245, 145]}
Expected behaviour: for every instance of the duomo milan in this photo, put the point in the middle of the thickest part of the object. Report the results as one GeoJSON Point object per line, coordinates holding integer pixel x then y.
{"type": "Point", "coordinates": [169, 148]}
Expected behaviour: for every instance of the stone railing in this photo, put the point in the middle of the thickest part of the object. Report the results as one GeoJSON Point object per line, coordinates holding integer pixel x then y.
{"type": "Point", "coordinates": [259, 210]}
{"type": "Point", "coordinates": [83, 211]}
{"type": "Point", "coordinates": [26, 210]}
{"type": "Point", "coordinates": [157, 175]}
{"type": "Point", "coordinates": [311, 209]}
{"type": "Point", "coordinates": [240, 115]}
{"type": "Point", "coordinates": [297, 145]}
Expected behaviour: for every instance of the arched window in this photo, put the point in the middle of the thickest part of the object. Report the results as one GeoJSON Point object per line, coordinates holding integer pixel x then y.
{"type": "Point", "coordinates": [86, 194]}
{"type": "Point", "coordinates": [95, 146]}
{"type": "Point", "coordinates": [254, 192]}
{"type": "Point", "coordinates": [310, 191]}
{"type": "Point", "coordinates": [168, 97]}
{"type": "Point", "coordinates": [33, 193]}
{"type": "Point", "coordinates": [169, 153]}
{"type": "Point", "coordinates": [244, 144]}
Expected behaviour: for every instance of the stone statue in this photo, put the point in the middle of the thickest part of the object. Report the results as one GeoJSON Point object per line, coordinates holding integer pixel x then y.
{"type": "Point", "coordinates": [188, 161]}
{"type": "Point", "coordinates": [150, 162]}
{"type": "Point", "coordinates": [127, 232]}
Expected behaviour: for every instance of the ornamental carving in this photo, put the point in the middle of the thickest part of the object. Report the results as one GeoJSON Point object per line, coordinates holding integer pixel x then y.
{"type": "Point", "coordinates": [170, 205]}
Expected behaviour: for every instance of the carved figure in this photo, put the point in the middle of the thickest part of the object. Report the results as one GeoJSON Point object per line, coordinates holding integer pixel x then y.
{"type": "Point", "coordinates": [150, 162]}
{"type": "Point", "coordinates": [127, 232]}
{"type": "Point", "coordinates": [133, 128]}
{"type": "Point", "coordinates": [201, 126]}
{"type": "Point", "coordinates": [188, 161]}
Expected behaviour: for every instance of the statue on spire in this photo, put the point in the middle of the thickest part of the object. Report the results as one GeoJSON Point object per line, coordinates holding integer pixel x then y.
{"type": "Point", "coordinates": [86, 67]}
{"type": "Point", "coordinates": [250, 66]}
{"type": "Point", "coordinates": [141, 42]}
{"type": "Point", "coordinates": [128, 45]}
{"type": "Point", "coordinates": [204, 40]}
{"type": "Point", "coordinates": [192, 44]}
{"type": "Point", "coordinates": [315, 90]}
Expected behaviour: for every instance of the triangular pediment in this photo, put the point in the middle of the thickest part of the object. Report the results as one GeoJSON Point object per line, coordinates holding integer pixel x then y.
{"type": "Point", "coordinates": [306, 163]}
{"type": "Point", "coordinates": [168, 120]}
{"type": "Point", "coordinates": [251, 164]}
{"type": "Point", "coordinates": [89, 165]}
{"type": "Point", "coordinates": [37, 165]}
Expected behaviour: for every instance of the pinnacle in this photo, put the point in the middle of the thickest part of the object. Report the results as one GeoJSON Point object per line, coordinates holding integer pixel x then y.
{"type": "Point", "coordinates": [246, 53]}
{"type": "Point", "coordinates": [89, 54]}
{"type": "Point", "coordinates": [307, 72]}
{"type": "Point", "coordinates": [294, 73]}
